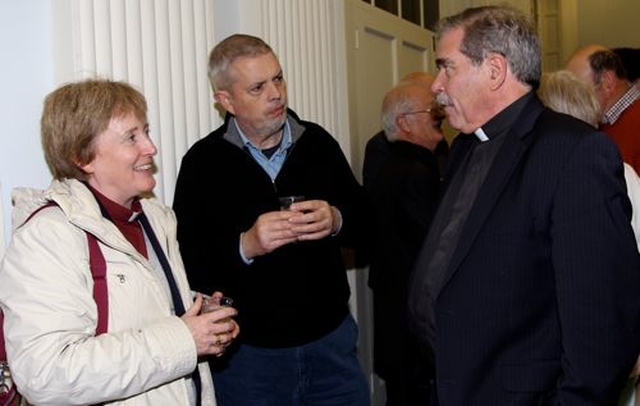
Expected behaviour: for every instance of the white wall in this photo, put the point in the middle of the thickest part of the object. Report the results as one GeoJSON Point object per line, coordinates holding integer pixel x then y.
{"type": "Point", "coordinates": [612, 23]}
{"type": "Point", "coordinates": [26, 76]}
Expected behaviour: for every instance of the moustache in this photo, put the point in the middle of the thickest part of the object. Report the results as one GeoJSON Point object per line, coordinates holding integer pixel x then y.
{"type": "Point", "coordinates": [443, 100]}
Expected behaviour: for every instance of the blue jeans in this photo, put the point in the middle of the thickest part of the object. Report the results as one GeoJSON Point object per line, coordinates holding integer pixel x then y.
{"type": "Point", "coordinates": [325, 372]}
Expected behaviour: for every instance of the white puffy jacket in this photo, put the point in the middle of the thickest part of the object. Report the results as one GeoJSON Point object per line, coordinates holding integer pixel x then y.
{"type": "Point", "coordinates": [46, 293]}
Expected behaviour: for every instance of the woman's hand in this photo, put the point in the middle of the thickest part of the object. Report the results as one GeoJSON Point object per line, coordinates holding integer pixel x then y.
{"type": "Point", "coordinates": [213, 331]}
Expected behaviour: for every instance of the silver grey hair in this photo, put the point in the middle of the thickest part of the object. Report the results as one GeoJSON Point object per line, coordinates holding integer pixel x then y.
{"type": "Point", "coordinates": [227, 51]}
{"type": "Point", "coordinates": [395, 104]}
{"type": "Point", "coordinates": [502, 30]}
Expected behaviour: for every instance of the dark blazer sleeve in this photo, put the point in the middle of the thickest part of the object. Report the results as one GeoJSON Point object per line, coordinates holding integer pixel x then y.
{"type": "Point", "coordinates": [597, 274]}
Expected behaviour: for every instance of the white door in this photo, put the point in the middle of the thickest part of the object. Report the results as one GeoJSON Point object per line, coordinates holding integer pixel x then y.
{"type": "Point", "coordinates": [381, 49]}
{"type": "Point", "coordinates": [547, 13]}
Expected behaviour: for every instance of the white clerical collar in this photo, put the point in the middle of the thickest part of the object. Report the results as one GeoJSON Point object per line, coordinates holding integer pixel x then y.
{"type": "Point", "coordinates": [481, 135]}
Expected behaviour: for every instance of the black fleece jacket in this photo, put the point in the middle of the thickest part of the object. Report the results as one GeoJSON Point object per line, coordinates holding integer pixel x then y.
{"type": "Point", "coordinates": [299, 292]}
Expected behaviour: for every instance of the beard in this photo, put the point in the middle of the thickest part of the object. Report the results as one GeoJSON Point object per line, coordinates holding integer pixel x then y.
{"type": "Point", "coordinates": [270, 127]}
{"type": "Point", "coordinates": [274, 126]}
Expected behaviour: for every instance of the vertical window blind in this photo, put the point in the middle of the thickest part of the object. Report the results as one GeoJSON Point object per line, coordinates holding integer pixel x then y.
{"type": "Point", "coordinates": [161, 47]}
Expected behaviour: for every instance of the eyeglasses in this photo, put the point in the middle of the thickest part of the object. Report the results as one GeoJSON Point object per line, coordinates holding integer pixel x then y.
{"type": "Point", "coordinates": [437, 112]}
{"type": "Point", "coordinates": [417, 112]}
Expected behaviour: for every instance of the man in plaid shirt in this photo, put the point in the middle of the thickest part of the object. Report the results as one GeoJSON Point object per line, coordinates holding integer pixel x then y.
{"type": "Point", "coordinates": [618, 98]}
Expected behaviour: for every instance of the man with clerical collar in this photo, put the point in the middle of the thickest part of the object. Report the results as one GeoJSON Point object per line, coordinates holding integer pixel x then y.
{"type": "Point", "coordinates": [526, 290]}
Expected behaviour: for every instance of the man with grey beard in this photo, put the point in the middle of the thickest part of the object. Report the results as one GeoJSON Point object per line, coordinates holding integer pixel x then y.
{"type": "Point", "coordinates": [264, 205]}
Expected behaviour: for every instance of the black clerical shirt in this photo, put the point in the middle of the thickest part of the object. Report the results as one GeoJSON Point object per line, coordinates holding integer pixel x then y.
{"type": "Point", "coordinates": [442, 240]}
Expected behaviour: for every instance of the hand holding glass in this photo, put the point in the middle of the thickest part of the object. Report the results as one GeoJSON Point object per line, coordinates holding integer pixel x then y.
{"type": "Point", "coordinates": [210, 304]}
{"type": "Point", "coordinates": [287, 201]}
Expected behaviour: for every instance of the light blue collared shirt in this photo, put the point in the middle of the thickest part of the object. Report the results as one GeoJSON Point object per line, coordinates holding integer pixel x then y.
{"type": "Point", "coordinates": [273, 164]}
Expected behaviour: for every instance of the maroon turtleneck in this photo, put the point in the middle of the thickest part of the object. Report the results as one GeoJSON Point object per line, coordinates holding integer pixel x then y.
{"type": "Point", "coordinates": [125, 219]}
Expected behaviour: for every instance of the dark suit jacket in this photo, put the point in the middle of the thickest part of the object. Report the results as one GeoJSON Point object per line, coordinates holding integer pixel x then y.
{"type": "Point", "coordinates": [540, 304]}
{"type": "Point", "coordinates": [376, 152]}
{"type": "Point", "coordinates": [404, 195]}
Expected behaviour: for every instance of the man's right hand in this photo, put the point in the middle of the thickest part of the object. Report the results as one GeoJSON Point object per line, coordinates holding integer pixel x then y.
{"type": "Point", "coordinates": [270, 231]}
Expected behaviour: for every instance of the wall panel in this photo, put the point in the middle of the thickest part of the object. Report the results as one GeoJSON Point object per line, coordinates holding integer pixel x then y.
{"type": "Point", "coordinates": [308, 37]}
